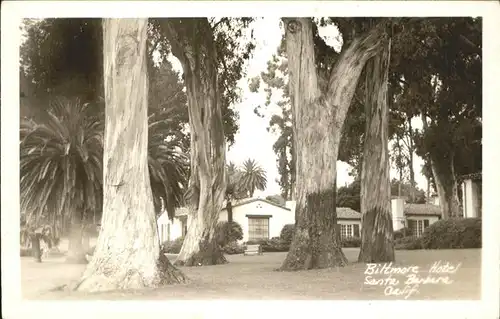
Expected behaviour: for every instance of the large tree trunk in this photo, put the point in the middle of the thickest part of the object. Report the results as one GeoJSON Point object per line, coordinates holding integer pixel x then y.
{"type": "Point", "coordinates": [376, 229]}
{"type": "Point", "coordinates": [447, 186]}
{"type": "Point", "coordinates": [317, 125]}
{"type": "Point", "coordinates": [229, 208]}
{"type": "Point", "coordinates": [192, 43]}
{"type": "Point", "coordinates": [410, 162]}
{"type": "Point", "coordinates": [442, 165]}
{"type": "Point", "coordinates": [76, 253]}
{"type": "Point", "coordinates": [127, 254]}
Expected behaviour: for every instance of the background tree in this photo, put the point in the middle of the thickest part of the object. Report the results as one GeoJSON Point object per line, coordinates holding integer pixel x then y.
{"type": "Point", "coordinates": [317, 135]}
{"type": "Point", "coordinates": [445, 89]}
{"type": "Point", "coordinates": [350, 195]}
{"type": "Point", "coordinates": [234, 189]}
{"type": "Point", "coordinates": [204, 49]}
{"type": "Point", "coordinates": [49, 52]}
{"type": "Point", "coordinates": [376, 240]}
{"type": "Point", "coordinates": [253, 177]}
{"type": "Point", "coordinates": [125, 258]}
{"type": "Point", "coordinates": [277, 199]}
{"type": "Point", "coordinates": [61, 170]}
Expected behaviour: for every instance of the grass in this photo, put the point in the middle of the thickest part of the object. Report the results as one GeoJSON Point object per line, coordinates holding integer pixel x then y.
{"type": "Point", "coordinates": [254, 277]}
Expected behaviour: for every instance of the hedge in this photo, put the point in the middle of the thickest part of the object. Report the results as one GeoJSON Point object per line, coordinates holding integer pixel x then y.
{"type": "Point", "coordinates": [453, 233]}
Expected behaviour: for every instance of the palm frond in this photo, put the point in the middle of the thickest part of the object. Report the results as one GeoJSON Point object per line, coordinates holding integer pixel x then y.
{"type": "Point", "coordinates": [61, 161]}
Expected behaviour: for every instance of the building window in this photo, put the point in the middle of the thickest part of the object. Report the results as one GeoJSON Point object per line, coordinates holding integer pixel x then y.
{"type": "Point", "coordinates": [258, 228]}
{"type": "Point", "coordinates": [345, 231]}
{"type": "Point", "coordinates": [418, 226]}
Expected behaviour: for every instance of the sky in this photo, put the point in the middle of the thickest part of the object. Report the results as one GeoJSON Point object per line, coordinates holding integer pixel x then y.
{"type": "Point", "coordinates": [253, 140]}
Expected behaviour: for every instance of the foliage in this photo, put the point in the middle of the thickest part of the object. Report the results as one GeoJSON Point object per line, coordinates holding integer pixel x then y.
{"type": "Point", "coordinates": [403, 232]}
{"type": "Point", "coordinates": [286, 234]}
{"type": "Point", "coordinates": [453, 233]}
{"type": "Point", "coordinates": [277, 199]}
{"type": "Point", "coordinates": [48, 55]}
{"type": "Point", "coordinates": [233, 248]}
{"type": "Point", "coordinates": [253, 177]}
{"type": "Point", "coordinates": [406, 191]}
{"type": "Point", "coordinates": [168, 160]}
{"type": "Point", "coordinates": [61, 164]}
{"type": "Point", "coordinates": [408, 243]}
{"type": "Point", "coordinates": [271, 245]}
{"type": "Point", "coordinates": [234, 44]}
{"type": "Point", "coordinates": [172, 247]}
{"type": "Point", "coordinates": [351, 242]}
{"type": "Point", "coordinates": [349, 196]}
{"type": "Point", "coordinates": [234, 189]}
{"type": "Point", "coordinates": [228, 232]}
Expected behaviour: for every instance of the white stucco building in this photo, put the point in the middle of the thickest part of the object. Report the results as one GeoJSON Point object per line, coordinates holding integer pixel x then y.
{"type": "Point", "coordinates": [259, 219]}
{"type": "Point", "coordinates": [417, 217]}
{"type": "Point", "coordinates": [263, 219]}
{"type": "Point", "coordinates": [471, 195]}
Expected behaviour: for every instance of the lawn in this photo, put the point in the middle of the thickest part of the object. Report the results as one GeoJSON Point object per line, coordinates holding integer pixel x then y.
{"type": "Point", "coordinates": [254, 277]}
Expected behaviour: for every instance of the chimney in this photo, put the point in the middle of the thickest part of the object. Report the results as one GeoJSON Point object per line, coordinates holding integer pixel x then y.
{"type": "Point", "coordinates": [397, 210]}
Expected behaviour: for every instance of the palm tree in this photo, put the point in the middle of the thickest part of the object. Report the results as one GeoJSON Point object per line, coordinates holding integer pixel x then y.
{"type": "Point", "coordinates": [168, 161]}
{"type": "Point", "coordinates": [253, 177]}
{"type": "Point", "coordinates": [61, 169]}
{"type": "Point", "coordinates": [234, 190]}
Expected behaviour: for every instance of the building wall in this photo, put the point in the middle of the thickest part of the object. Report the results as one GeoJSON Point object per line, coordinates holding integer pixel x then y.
{"type": "Point", "coordinates": [470, 199]}
{"type": "Point", "coordinates": [175, 228]}
{"type": "Point", "coordinates": [279, 217]}
{"type": "Point", "coordinates": [397, 210]}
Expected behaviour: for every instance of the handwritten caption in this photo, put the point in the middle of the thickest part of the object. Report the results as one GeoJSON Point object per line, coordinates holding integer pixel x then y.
{"type": "Point", "coordinates": [406, 281]}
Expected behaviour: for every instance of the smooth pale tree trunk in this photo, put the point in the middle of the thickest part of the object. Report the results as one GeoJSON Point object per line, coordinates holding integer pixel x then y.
{"type": "Point", "coordinates": [127, 254]}
{"type": "Point", "coordinates": [318, 118]}
{"type": "Point", "coordinates": [192, 43]}
{"type": "Point", "coordinates": [376, 221]}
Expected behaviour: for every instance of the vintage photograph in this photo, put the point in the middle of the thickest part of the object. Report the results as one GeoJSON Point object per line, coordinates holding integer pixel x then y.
{"type": "Point", "coordinates": [251, 158]}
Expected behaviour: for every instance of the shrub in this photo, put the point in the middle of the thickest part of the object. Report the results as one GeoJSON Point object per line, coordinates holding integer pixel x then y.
{"type": "Point", "coordinates": [228, 232]}
{"type": "Point", "coordinates": [173, 247]}
{"type": "Point", "coordinates": [453, 233]}
{"type": "Point", "coordinates": [286, 234]}
{"type": "Point", "coordinates": [271, 245]}
{"type": "Point", "coordinates": [403, 232]}
{"type": "Point", "coordinates": [408, 243]}
{"type": "Point", "coordinates": [351, 242]}
{"type": "Point", "coordinates": [234, 248]}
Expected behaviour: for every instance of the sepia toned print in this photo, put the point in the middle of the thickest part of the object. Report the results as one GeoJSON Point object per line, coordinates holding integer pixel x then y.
{"type": "Point", "coordinates": [251, 158]}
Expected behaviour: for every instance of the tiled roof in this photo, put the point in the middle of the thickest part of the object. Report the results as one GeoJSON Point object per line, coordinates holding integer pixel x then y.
{"type": "Point", "coordinates": [473, 176]}
{"type": "Point", "coordinates": [347, 213]}
{"type": "Point", "coordinates": [422, 209]}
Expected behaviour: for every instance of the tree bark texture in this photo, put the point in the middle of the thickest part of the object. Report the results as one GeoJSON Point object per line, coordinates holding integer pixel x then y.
{"type": "Point", "coordinates": [443, 171]}
{"type": "Point", "coordinates": [192, 43]}
{"type": "Point", "coordinates": [410, 157]}
{"type": "Point", "coordinates": [447, 186]}
{"type": "Point", "coordinates": [229, 208]}
{"type": "Point", "coordinates": [376, 222]}
{"type": "Point", "coordinates": [127, 254]}
{"type": "Point", "coordinates": [318, 118]}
